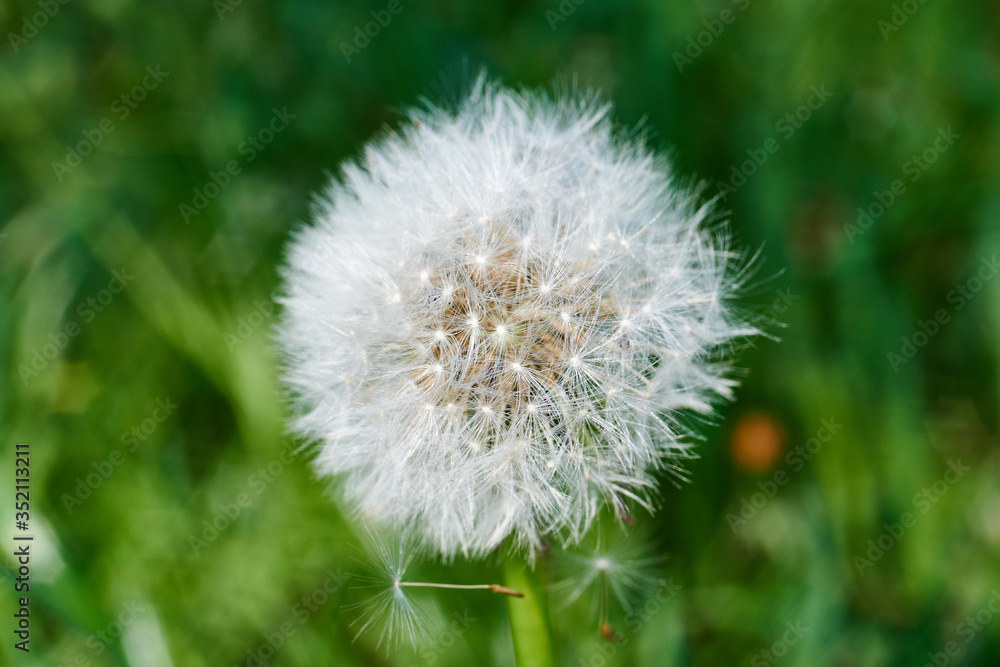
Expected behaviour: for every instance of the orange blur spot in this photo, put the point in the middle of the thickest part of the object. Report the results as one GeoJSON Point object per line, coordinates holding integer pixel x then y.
{"type": "Point", "coordinates": [757, 442]}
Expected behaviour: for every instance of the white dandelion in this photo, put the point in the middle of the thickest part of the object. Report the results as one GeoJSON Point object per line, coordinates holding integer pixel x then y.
{"type": "Point", "coordinates": [497, 318]}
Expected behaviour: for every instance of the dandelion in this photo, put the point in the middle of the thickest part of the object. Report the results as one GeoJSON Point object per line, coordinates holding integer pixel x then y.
{"type": "Point", "coordinates": [499, 316]}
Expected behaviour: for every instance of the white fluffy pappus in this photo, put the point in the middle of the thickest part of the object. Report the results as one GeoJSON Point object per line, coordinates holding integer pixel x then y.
{"type": "Point", "coordinates": [497, 317]}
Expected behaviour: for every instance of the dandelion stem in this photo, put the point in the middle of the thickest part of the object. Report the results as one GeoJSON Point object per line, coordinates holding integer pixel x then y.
{"type": "Point", "coordinates": [496, 588]}
{"type": "Point", "coordinates": [529, 618]}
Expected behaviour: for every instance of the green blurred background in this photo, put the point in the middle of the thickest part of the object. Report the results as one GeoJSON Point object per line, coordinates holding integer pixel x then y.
{"type": "Point", "coordinates": [119, 576]}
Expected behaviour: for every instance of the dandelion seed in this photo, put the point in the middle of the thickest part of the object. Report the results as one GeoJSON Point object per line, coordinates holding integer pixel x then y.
{"type": "Point", "coordinates": [622, 570]}
{"type": "Point", "coordinates": [390, 610]}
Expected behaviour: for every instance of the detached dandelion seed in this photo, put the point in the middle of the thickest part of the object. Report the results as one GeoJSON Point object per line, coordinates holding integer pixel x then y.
{"type": "Point", "coordinates": [623, 570]}
{"type": "Point", "coordinates": [390, 609]}
{"type": "Point", "coordinates": [559, 365]}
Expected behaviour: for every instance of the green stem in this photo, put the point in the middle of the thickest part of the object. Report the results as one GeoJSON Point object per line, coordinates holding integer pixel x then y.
{"type": "Point", "coordinates": [529, 616]}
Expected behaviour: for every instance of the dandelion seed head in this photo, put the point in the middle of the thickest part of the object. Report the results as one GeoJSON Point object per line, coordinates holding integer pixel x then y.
{"type": "Point", "coordinates": [421, 250]}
